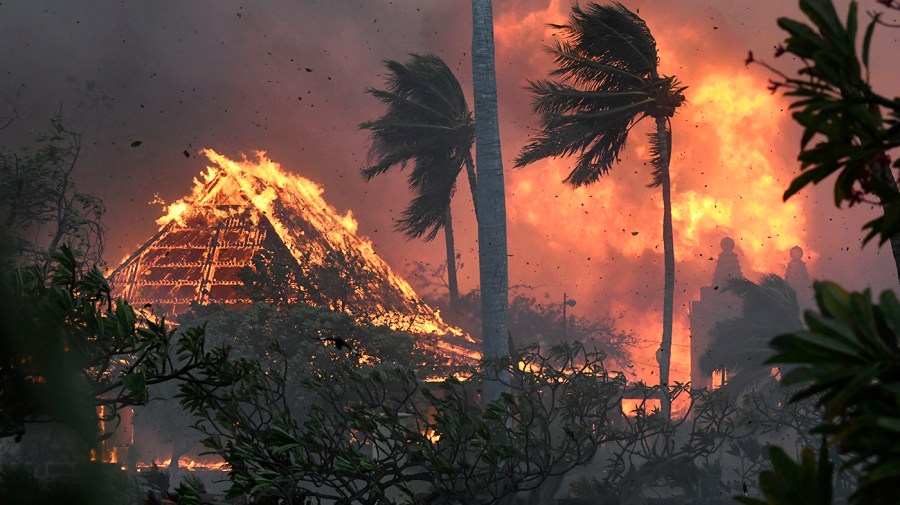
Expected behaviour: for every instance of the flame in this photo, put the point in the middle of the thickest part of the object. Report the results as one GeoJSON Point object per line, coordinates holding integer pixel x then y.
{"type": "Point", "coordinates": [336, 228]}
{"type": "Point", "coordinates": [605, 240]}
{"type": "Point", "coordinates": [189, 464]}
{"type": "Point", "coordinates": [632, 406]}
{"type": "Point", "coordinates": [308, 227]}
{"type": "Point", "coordinates": [174, 212]}
{"type": "Point", "coordinates": [432, 435]}
{"type": "Point", "coordinates": [322, 216]}
{"type": "Point", "coordinates": [695, 211]}
{"type": "Point", "coordinates": [348, 222]}
{"type": "Point", "coordinates": [745, 120]}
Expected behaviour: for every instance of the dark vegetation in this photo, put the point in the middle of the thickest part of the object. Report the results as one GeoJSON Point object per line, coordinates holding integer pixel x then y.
{"type": "Point", "coordinates": [309, 405]}
{"type": "Point", "coordinates": [40, 207]}
{"type": "Point", "coordinates": [428, 124]}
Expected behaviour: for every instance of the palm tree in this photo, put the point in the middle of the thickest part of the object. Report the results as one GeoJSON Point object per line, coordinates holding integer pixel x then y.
{"type": "Point", "coordinates": [428, 123]}
{"type": "Point", "coordinates": [494, 270]}
{"type": "Point", "coordinates": [741, 345]}
{"type": "Point", "coordinates": [609, 81]}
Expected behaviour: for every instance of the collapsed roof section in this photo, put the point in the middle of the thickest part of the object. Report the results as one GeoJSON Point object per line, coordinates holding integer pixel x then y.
{"type": "Point", "coordinates": [240, 209]}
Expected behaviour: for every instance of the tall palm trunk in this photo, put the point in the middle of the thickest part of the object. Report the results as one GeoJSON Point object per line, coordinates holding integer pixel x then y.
{"type": "Point", "coordinates": [452, 285]}
{"type": "Point", "coordinates": [490, 194]}
{"type": "Point", "coordinates": [665, 350]}
{"type": "Point", "coordinates": [473, 182]}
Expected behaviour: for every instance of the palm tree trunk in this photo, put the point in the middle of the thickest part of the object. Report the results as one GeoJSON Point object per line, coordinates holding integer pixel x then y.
{"type": "Point", "coordinates": [452, 285]}
{"type": "Point", "coordinates": [665, 348]}
{"type": "Point", "coordinates": [491, 199]}
{"type": "Point", "coordinates": [473, 183]}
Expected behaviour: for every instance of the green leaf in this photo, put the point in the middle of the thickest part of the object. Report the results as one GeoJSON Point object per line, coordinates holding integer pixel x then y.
{"type": "Point", "coordinates": [135, 382]}
{"type": "Point", "coordinates": [136, 143]}
{"type": "Point", "coordinates": [796, 28]}
{"type": "Point", "coordinates": [885, 471]}
{"type": "Point", "coordinates": [806, 177]}
{"type": "Point", "coordinates": [890, 423]}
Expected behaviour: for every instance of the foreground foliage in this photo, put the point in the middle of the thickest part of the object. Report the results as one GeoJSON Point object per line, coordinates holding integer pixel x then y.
{"type": "Point", "coordinates": [380, 433]}
{"type": "Point", "coordinates": [848, 127]}
{"type": "Point", "coordinates": [68, 348]}
{"type": "Point", "coordinates": [40, 206]}
{"type": "Point", "coordinates": [850, 359]}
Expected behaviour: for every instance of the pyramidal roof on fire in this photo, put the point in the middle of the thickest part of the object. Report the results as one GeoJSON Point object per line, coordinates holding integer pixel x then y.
{"type": "Point", "coordinates": [239, 209]}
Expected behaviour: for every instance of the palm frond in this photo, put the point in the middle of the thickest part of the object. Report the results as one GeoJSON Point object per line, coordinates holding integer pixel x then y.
{"type": "Point", "coordinates": [607, 66]}
{"type": "Point", "coordinates": [428, 125]}
{"type": "Point", "coordinates": [426, 214]}
{"type": "Point", "coordinates": [583, 70]}
{"type": "Point", "coordinates": [554, 98]}
{"type": "Point", "coordinates": [428, 76]}
{"type": "Point", "coordinates": [769, 309]}
{"type": "Point", "coordinates": [594, 131]}
{"type": "Point", "coordinates": [772, 295]}
{"type": "Point", "coordinates": [612, 35]}
{"type": "Point", "coordinates": [384, 163]}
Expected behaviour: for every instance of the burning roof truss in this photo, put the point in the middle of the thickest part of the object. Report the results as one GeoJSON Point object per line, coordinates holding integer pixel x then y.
{"type": "Point", "coordinates": [240, 209]}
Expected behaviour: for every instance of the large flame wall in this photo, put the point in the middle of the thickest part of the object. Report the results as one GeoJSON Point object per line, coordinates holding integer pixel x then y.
{"type": "Point", "coordinates": [604, 242]}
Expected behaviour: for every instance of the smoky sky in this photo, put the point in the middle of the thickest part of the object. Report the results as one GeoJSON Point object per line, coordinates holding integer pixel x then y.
{"type": "Point", "coordinates": [289, 78]}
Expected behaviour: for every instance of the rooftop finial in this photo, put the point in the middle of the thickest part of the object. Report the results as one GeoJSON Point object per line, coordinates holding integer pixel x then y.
{"type": "Point", "coordinates": [728, 266]}
{"type": "Point", "coordinates": [727, 244]}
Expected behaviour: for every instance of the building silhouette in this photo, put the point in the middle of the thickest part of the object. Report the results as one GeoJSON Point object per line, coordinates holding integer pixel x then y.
{"type": "Point", "coordinates": [715, 304]}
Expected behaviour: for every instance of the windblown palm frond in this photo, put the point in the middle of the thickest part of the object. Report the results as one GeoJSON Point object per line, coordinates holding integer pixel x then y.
{"type": "Point", "coordinates": [608, 67]}
{"type": "Point", "coordinates": [741, 345]}
{"type": "Point", "coordinates": [427, 212]}
{"type": "Point", "coordinates": [610, 35]}
{"type": "Point", "coordinates": [772, 295]}
{"type": "Point", "coordinates": [428, 123]}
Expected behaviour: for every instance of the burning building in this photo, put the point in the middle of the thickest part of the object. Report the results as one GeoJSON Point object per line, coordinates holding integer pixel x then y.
{"type": "Point", "coordinates": [715, 304]}
{"type": "Point", "coordinates": [718, 304]}
{"type": "Point", "coordinates": [240, 211]}
{"type": "Point", "coordinates": [242, 215]}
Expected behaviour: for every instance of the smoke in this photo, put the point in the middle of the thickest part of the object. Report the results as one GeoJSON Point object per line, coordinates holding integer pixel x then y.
{"type": "Point", "coordinates": [290, 77]}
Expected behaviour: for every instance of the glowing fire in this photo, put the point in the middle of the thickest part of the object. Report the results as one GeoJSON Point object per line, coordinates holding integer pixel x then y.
{"type": "Point", "coordinates": [604, 242]}
{"type": "Point", "coordinates": [258, 189]}
{"type": "Point", "coordinates": [742, 119]}
{"type": "Point", "coordinates": [631, 407]}
{"type": "Point", "coordinates": [189, 464]}
{"type": "Point", "coordinates": [257, 181]}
